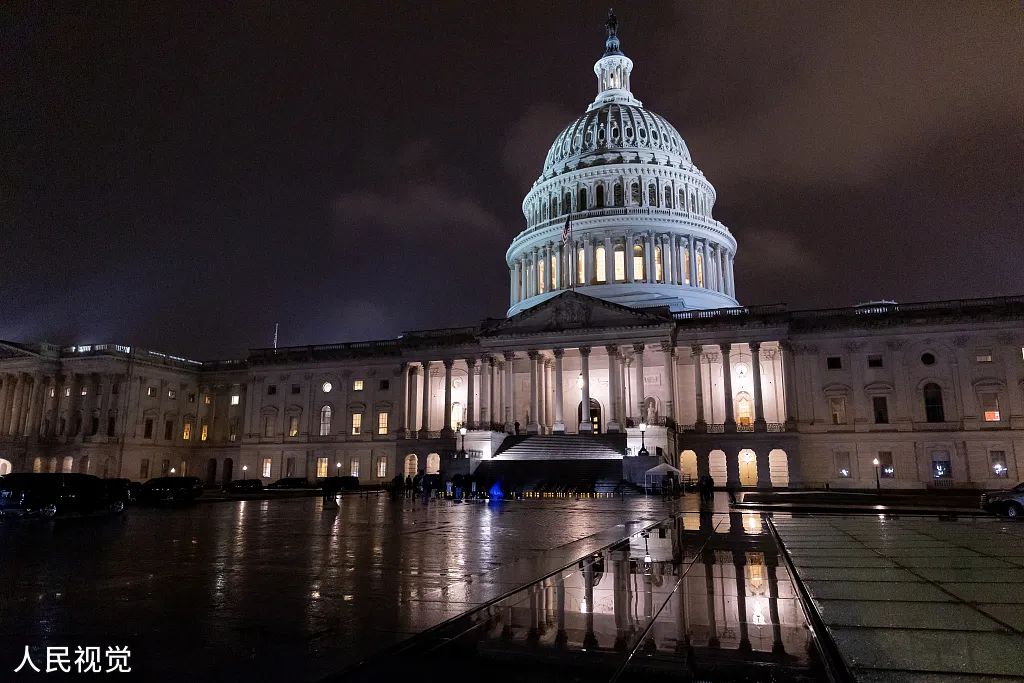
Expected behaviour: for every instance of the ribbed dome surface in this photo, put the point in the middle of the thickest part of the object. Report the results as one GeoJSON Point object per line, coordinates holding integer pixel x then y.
{"type": "Point", "coordinates": [614, 128]}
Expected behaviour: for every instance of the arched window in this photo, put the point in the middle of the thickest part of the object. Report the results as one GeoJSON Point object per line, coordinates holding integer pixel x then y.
{"type": "Point", "coordinates": [652, 195]}
{"type": "Point", "coordinates": [567, 203]}
{"type": "Point", "coordinates": [617, 192]}
{"type": "Point", "coordinates": [599, 264]}
{"type": "Point", "coordinates": [668, 197]}
{"type": "Point", "coordinates": [541, 282]}
{"type": "Point", "coordinates": [682, 199]}
{"type": "Point", "coordinates": [599, 196]}
{"type": "Point", "coordinates": [638, 263]}
{"type": "Point", "coordinates": [700, 269]}
{"type": "Point", "coordinates": [457, 418]}
{"type": "Point", "coordinates": [634, 194]}
{"type": "Point", "coordinates": [659, 268]}
{"type": "Point", "coordinates": [325, 421]}
{"type": "Point", "coordinates": [933, 408]}
{"type": "Point", "coordinates": [582, 204]}
{"type": "Point", "coordinates": [581, 273]}
{"type": "Point", "coordinates": [554, 206]}
{"type": "Point", "coordinates": [620, 263]}
{"type": "Point", "coordinates": [554, 271]}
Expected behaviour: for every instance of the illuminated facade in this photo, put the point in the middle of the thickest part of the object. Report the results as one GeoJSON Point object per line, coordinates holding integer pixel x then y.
{"type": "Point", "coordinates": [630, 322]}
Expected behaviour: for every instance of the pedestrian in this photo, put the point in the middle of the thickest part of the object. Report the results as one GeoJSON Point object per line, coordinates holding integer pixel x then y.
{"type": "Point", "coordinates": [332, 486]}
{"type": "Point", "coordinates": [711, 488]}
{"type": "Point", "coordinates": [517, 427]}
{"type": "Point", "coordinates": [408, 486]}
{"type": "Point", "coordinates": [731, 487]}
{"type": "Point", "coordinates": [448, 487]}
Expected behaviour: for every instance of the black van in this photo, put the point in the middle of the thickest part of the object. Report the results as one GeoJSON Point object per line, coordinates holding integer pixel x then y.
{"type": "Point", "coordinates": [50, 493]}
{"type": "Point", "coordinates": [171, 489]}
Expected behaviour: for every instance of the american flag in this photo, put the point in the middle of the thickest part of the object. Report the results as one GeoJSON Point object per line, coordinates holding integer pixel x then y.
{"type": "Point", "coordinates": [566, 231]}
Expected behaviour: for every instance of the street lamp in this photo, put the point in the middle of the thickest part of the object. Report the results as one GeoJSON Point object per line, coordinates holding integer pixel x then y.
{"type": "Point", "coordinates": [462, 431]}
{"type": "Point", "coordinates": [643, 444]}
{"type": "Point", "coordinates": [878, 483]}
{"type": "Point", "coordinates": [245, 468]}
{"type": "Point", "coordinates": [338, 465]}
{"type": "Point", "coordinates": [173, 470]}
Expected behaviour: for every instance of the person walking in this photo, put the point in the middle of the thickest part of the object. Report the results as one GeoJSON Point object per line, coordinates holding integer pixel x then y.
{"type": "Point", "coordinates": [711, 488]}
{"type": "Point", "coordinates": [408, 486]}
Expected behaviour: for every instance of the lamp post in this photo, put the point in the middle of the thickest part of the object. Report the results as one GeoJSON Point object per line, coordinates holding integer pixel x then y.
{"type": "Point", "coordinates": [878, 482]}
{"type": "Point", "coordinates": [173, 470]}
{"type": "Point", "coordinates": [462, 432]}
{"type": "Point", "coordinates": [338, 465]}
{"type": "Point", "coordinates": [643, 444]}
{"type": "Point", "coordinates": [245, 468]}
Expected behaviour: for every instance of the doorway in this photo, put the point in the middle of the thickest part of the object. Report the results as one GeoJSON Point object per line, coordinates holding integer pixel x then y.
{"type": "Point", "coordinates": [5, 467]}
{"type": "Point", "coordinates": [595, 415]}
{"type": "Point", "coordinates": [229, 466]}
{"type": "Point", "coordinates": [211, 471]}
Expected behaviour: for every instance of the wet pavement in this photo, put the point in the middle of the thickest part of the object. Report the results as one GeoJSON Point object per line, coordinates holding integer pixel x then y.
{"type": "Point", "coordinates": [275, 589]}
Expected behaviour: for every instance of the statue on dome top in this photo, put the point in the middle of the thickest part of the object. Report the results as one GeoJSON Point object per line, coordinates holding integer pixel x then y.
{"type": "Point", "coordinates": [612, 24]}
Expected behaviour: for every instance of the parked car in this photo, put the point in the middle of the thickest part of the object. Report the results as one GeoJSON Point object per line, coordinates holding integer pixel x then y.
{"type": "Point", "coordinates": [244, 486]}
{"type": "Point", "coordinates": [120, 489]}
{"type": "Point", "coordinates": [1009, 503]}
{"type": "Point", "coordinates": [171, 489]}
{"type": "Point", "coordinates": [339, 483]}
{"type": "Point", "coordinates": [49, 494]}
{"type": "Point", "coordinates": [290, 483]}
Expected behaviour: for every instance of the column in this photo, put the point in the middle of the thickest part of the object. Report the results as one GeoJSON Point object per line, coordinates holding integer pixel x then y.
{"type": "Point", "coordinates": [789, 383]}
{"type": "Point", "coordinates": [627, 396]}
{"type": "Point", "coordinates": [638, 397]}
{"type": "Point", "coordinates": [12, 414]}
{"type": "Point", "coordinates": [470, 394]}
{"type": "Point", "coordinates": [498, 388]}
{"type": "Point", "coordinates": [509, 398]}
{"type": "Point", "coordinates": [410, 400]}
{"type": "Point", "coordinates": [5, 397]}
{"type": "Point", "coordinates": [730, 419]}
{"type": "Point", "coordinates": [628, 253]}
{"type": "Point", "coordinates": [512, 285]}
{"type": "Point", "coordinates": [649, 257]}
{"type": "Point", "coordinates": [772, 562]}
{"type": "Point", "coordinates": [698, 384]}
{"type": "Point", "coordinates": [691, 255]}
{"type": "Point", "coordinates": [425, 412]}
{"type": "Point", "coordinates": [739, 560]}
{"type": "Point", "coordinates": [523, 271]}
{"type": "Point", "coordinates": [545, 394]}
{"type": "Point", "coordinates": [559, 426]}
{"type": "Point", "coordinates": [31, 427]}
{"type": "Point", "coordinates": [614, 424]}
{"type": "Point", "coordinates": [670, 372]}
{"type": "Point", "coordinates": [485, 393]}
{"type": "Point", "coordinates": [559, 265]}
{"type": "Point", "coordinates": [755, 365]}
{"type": "Point", "coordinates": [446, 428]}
{"type": "Point", "coordinates": [764, 472]}
{"type": "Point", "coordinates": [585, 423]}
{"type": "Point", "coordinates": [609, 260]}
{"type": "Point", "coordinates": [732, 467]}
{"type": "Point", "coordinates": [533, 426]}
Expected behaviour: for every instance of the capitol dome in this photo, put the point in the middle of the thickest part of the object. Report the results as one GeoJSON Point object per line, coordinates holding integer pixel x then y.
{"type": "Point", "coordinates": [620, 212]}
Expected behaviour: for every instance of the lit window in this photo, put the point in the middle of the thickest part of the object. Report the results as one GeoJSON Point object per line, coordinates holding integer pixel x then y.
{"type": "Point", "coordinates": [941, 467]}
{"type": "Point", "coordinates": [638, 263]}
{"type": "Point", "coordinates": [885, 465]}
{"type": "Point", "coordinates": [382, 422]}
{"type": "Point", "coordinates": [172, 394]}
{"type": "Point", "coordinates": [700, 269]}
{"type": "Point", "coordinates": [990, 406]}
{"type": "Point", "coordinates": [984, 356]}
{"type": "Point", "coordinates": [600, 264]}
{"type": "Point", "coordinates": [53, 392]}
{"type": "Point", "coordinates": [85, 391]}
{"type": "Point", "coordinates": [354, 467]}
{"type": "Point", "coordinates": [206, 399]}
{"type": "Point", "coordinates": [554, 272]}
{"type": "Point", "coordinates": [191, 398]}
{"type": "Point", "coordinates": [581, 269]}
{"type": "Point", "coordinates": [686, 267]}
{"type": "Point", "coordinates": [843, 464]}
{"type": "Point", "coordinates": [357, 385]}
{"type": "Point", "coordinates": [326, 387]}
{"type": "Point", "coordinates": [620, 263]}
{"type": "Point", "coordinates": [67, 392]}
{"type": "Point", "coordinates": [186, 431]}
{"type": "Point", "coordinates": [998, 460]}
{"type": "Point", "coordinates": [204, 432]}
{"type": "Point", "coordinates": [293, 425]}
{"type": "Point", "coordinates": [357, 424]}
{"type": "Point", "coordinates": [267, 464]}
{"type": "Point", "coordinates": [321, 467]}
{"type": "Point", "coordinates": [382, 467]}
{"type": "Point", "coordinates": [541, 280]}
{"type": "Point", "coordinates": [659, 268]}
{"type": "Point", "coordinates": [837, 408]}
{"type": "Point", "coordinates": [234, 399]}
{"type": "Point", "coordinates": [325, 421]}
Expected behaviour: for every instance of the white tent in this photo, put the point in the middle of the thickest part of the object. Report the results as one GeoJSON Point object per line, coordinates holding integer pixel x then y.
{"type": "Point", "coordinates": [658, 473]}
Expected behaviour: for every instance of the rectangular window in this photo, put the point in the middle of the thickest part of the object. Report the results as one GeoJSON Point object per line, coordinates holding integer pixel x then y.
{"type": "Point", "coordinates": [837, 408]}
{"type": "Point", "coordinates": [620, 265]}
{"type": "Point", "coordinates": [885, 465]}
{"type": "Point", "coordinates": [111, 425]}
{"type": "Point", "coordinates": [85, 391]}
{"type": "Point", "coordinates": [357, 424]}
{"type": "Point", "coordinates": [150, 391]}
{"type": "Point", "coordinates": [168, 430]}
{"type": "Point", "coordinates": [581, 272]}
{"type": "Point", "coordinates": [204, 432]}
{"type": "Point", "coordinates": [191, 398]}
{"type": "Point", "coordinates": [271, 389]}
{"type": "Point", "coordinates": [990, 406]}
{"type": "Point", "coordinates": [353, 469]}
{"type": "Point", "coordinates": [875, 361]}
{"type": "Point", "coordinates": [94, 426]}
{"type": "Point", "coordinates": [843, 464]}
{"type": "Point", "coordinates": [321, 467]}
{"type": "Point", "coordinates": [267, 464]}
{"type": "Point", "coordinates": [147, 432]}
{"type": "Point", "coordinates": [384, 385]}
{"type": "Point", "coordinates": [357, 385]}
{"type": "Point", "coordinates": [165, 467]}
{"type": "Point", "coordinates": [234, 399]}
{"type": "Point", "coordinates": [941, 466]}
{"type": "Point", "coordinates": [115, 388]}
{"type": "Point", "coordinates": [144, 468]}
{"type": "Point", "coordinates": [53, 392]}
{"type": "Point", "coordinates": [984, 356]}
{"type": "Point", "coordinates": [382, 422]}
{"type": "Point", "coordinates": [834, 363]}
{"type": "Point", "coordinates": [382, 467]}
{"type": "Point", "coordinates": [998, 460]}
{"type": "Point", "coordinates": [880, 404]}
{"type": "Point", "coordinates": [67, 392]}
{"type": "Point", "coordinates": [289, 467]}
{"type": "Point", "coordinates": [172, 394]}
{"type": "Point", "coordinates": [268, 426]}
{"type": "Point", "coordinates": [296, 389]}
{"type": "Point", "coordinates": [233, 434]}
{"type": "Point", "coordinates": [186, 431]}
{"type": "Point", "coordinates": [206, 399]}
{"type": "Point", "coordinates": [293, 425]}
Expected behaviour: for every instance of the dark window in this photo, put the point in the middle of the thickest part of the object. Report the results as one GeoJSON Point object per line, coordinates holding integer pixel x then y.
{"type": "Point", "coordinates": [652, 195]}
{"type": "Point", "coordinates": [148, 431]}
{"type": "Point", "coordinates": [296, 389]}
{"type": "Point", "coordinates": [582, 206]}
{"type": "Point", "coordinates": [111, 425]}
{"type": "Point", "coordinates": [834, 363]}
{"type": "Point", "coordinates": [385, 384]}
{"type": "Point", "coordinates": [928, 358]}
{"type": "Point", "coordinates": [933, 410]}
{"type": "Point", "coordinates": [617, 191]}
{"type": "Point", "coordinates": [76, 425]}
{"type": "Point", "coordinates": [191, 398]}
{"type": "Point", "coordinates": [599, 196]}
{"type": "Point", "coordinates": [63, 426]}
{"type": "Point", "coordinates": [271, 389]}
{"type": "Point", "coordinates": [874, 361]}
{"type": "Point", "coordinates": [168, 430]}
{"type": "Point", "coordinates": [115, 389]}
{"type": "Point", "coordinates": [94, 427]}
{"type": "Point", "coordinates": [881, 408]}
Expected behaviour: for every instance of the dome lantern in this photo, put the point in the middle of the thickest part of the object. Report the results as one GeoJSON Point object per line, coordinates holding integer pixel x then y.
{"type": "Point", "coordinates": [613, 70]}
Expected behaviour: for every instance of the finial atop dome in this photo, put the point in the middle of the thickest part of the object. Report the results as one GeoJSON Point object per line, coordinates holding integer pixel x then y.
{"type": "Point", "coordinates": [611, 45]}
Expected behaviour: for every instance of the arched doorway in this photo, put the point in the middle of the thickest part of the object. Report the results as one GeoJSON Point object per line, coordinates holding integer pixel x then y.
{"type": "Point", "coordinates": [778, 466]}
{"type": "Point", "coordinates": [595, 415]}
{"type": "Point", "coordinates": [688, 465]}
{"type": "Point", "coordinates": [433, 464]}
{"type": "Point", "coordinates": [37, 465]}
{"type": "Point", "coordinates": [748, 467]}
{"type": "Point", "coordinates": [229, 466]}
{"type": "Point", "coordinates": [412, 465]}
{"type": "Point", "coordinates": [211, 471]}
{"type": "Point", "coordinates": [716, 467]}
{"type": "Point", "coordinates": [5, 467]}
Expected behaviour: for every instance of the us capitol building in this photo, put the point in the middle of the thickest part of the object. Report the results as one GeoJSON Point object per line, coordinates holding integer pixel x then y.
{"type": "Point", "coordinates": [624, 346]}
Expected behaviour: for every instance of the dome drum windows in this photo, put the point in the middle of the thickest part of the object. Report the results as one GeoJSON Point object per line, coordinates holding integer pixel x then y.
{"type": "Point", "coordinates": [618, 196]}
{"type": "Point", "coordinates": [639, 270]}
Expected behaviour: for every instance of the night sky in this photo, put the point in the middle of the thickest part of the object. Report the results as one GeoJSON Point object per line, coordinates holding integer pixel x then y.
{"type": "Point", "coordinates": [183, 178]}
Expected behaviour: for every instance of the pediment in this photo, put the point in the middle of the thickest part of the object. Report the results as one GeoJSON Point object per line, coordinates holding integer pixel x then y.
{"type": "Point", "coordinates": [573, 311]}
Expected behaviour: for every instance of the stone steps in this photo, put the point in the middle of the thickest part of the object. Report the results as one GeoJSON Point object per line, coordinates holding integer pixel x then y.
{"type": "Point", "coordinates": [562, 447]}
{"type": "Point", "coordinates": [561, 476]}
